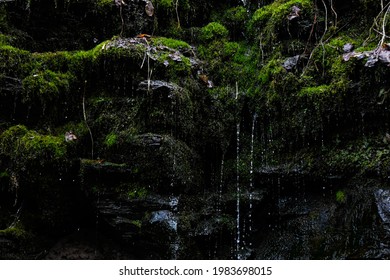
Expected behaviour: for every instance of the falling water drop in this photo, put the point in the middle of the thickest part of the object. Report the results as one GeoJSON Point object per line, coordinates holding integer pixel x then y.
{"type": "Point", "coordinates": [220, 187]}
{"type": "Point", "coordinates": [251, 185]}
{"type": "Point", "coordinates": [97, 223]}
{"type": "Point", "coordinates": [238, 191]}
{"type": "Point", "coordinates": [363, 126]}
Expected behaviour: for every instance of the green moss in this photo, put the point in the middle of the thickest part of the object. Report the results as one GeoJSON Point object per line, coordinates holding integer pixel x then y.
{"type": "Point", "coordinates": [170, 43]}
{"type": "Point", "coordinates": [213, 31]}
{"type": "Point", "coordinates": [164, 3]}
{"type": "Point", "coordinates": [277, 11]}
{"type": "Point", "coordinates": [111, 139]}
{"type": "Point", "coordinates": [270, 71]}
{"type": "Point", "coordinates": [137, 193]}
{"type": "Point", "coordinates": [340, 196]}
{"type": "Point", "coordinates": [16, 232]}
{"type": "Point", "coordinates": [4, 174]}
{"type": "Point", "coordinates": [104, 3]}
{"type": "Point", "coordinates": [46, 85]}
{"type": "Point", "coordinates": [268, 21]}
{"type": "Point", "coordinates": [25, 145]}
{"type": "Point", "coordinates": [15, 62]}
{"type": "Point", "coordinates": [314, 91]}
{"type": "Point", "coordinates": [137, 223]}
{"type": "Point", "coordinates": [236, 15]}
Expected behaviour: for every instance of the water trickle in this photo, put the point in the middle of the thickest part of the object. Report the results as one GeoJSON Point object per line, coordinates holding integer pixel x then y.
{"type": "Point", "coordinates": [220, 187]}
{"type": "Point", "coordinates": [251, 185]}
{"type": "Point", "coordinates": [97, 223]}
{"type": "Point", "coordinates": [363, 126]}
{"type": "Point", "coordinates": [238, 188]}
{"type": "Point", "coordinates": [238, 236]}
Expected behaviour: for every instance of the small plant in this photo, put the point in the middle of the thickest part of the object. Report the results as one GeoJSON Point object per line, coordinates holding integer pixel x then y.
{"type": "Point", "coordinates": [340, 196]}
{"type": "Point", "coordinates": [111, 140]}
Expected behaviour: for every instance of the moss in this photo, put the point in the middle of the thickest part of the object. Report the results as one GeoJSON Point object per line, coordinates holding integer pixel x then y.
{"type": "Point", "coordinates": [15, 62]}
{"type": "Point", "coordinates": [4, 174]}
{"type": "Point", "coordinates": [102, 4]}
{"type": "Point", "coordinates": [46, 86]}
{"type": "Point", "coordinates": [16, 232]}
{"type": "Point", "coordinates": [111, 139]}
{"type": "Point", "coordinates": [270, 21]}
{"type": "Point", "coordinates": [270, 71]}
{"type": "Point", "coordinates": [23, 145]}
{"type": "Point", "coordinates": [277, 11]}
{"type": "Point", "coordinates": [137, 223]}
{"type": "Point", "coordinates": [314, 91]}
{"type": "Point", "coordinates": [137, 193]}
{"type": "Point", "coordinates": [340, 196]}
{"type": "Point", "coordinates": [164, 3]}
{"type": "Point", "coordinates": [213, 31]}
{"type": "Point", "coordinates": [170, 43]}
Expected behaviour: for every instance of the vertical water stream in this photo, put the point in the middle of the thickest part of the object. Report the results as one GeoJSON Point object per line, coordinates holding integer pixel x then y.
{"type": "Point", "coordinates": [251, 184]}
{"type": "Point", "coordinates": [238, 188]}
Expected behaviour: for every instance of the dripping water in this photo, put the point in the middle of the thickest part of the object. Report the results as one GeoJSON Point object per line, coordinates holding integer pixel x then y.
{"type": "Point", "coordinates": [251, 185]}
{"type": "Point", "coordinates": [363, 126]}
{"type": "Point", "coordinates": [238, 188]}
{"type": "Point", "coordinates": [220, 187]}
{"type": "Point", "coordinates": [97, 223]}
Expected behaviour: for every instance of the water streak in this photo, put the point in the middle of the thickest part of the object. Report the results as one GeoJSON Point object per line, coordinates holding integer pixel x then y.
{"type": "Point", "coordinates": [251, 185]}
{"type": "Point", "coordinates": [238, 233]}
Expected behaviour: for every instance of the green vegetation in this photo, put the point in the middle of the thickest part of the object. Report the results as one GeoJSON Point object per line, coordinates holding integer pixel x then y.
{"type": "Point", "coordinates": [340, 196]}
{"type": "Point", "coordinates": [165, 3]}
{"type": "Point", "coordinates": [46, 86]}
{"type": "Point", "coordinates": [25, 145]}
{"type": "Point", "coordinates": [16, 232]}
{"type": "Point", "coordinates": [111, 139]}
{"type": "Point", "coordinates": [137, 193]}
{"type": "Point", "coordinates": [170, 43]}
{"type": "Point", "coordinates": [213, 31]}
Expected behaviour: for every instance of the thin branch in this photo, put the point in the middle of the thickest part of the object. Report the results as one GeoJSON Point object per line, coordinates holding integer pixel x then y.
{"type": "Point", "coordinates": [322, 38]}
{"type": "Point", "coordinates": [177, 13]}
{"type": "Point", "coordinates": [376, 22]}
{"type": "Point", "coordinates": [85, 119]}
{"type": "Point", "coordinates": [334, 11]}
{"type": "Point", "coordinates": [384, 26]}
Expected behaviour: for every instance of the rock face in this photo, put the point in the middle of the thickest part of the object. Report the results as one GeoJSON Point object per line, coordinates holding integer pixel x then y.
{"type": "Point", "coordinates": [193, 130]}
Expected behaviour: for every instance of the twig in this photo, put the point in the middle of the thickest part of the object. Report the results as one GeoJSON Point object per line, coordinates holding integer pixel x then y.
{"type": "Point", "coordinates": [122, 20]}
{"type": "Point", "coordinates": [375, 21]}
{"type": "Point", "coordinates": [334, 11]}
{"type": "Point", "coordinates": [261, 50]}
{"type": "Point", "coordinates": [322, 38]}
{"type": "Point", "coordinates": [85, 119]}
{"type": "Point", "coordinates": [177, 13]}
{"type": "Point", "coordinates": [384, 26]}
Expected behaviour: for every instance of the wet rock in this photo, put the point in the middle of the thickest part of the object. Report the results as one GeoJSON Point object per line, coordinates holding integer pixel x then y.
{"type": "Point", "coordinates": [156, 85]}
{"type": "Point", "coordinates": [382, 198]}
{"type": "Point", "coordinates": [294, 12]}
{"type": "Point", "coordinates": [347, 48]}
{"type": "Point", "coordinates": [291, 62]}
{"type": "Point", "coordinates": [165, 217]}
{"type": "Point", "coordinates": [149, 9]}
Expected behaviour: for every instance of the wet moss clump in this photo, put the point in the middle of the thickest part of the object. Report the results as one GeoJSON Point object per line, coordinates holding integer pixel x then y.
{"type": "Point", "coordinates": [213, 31]}
{"type": "Point", "coordinates": [27, 148]}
